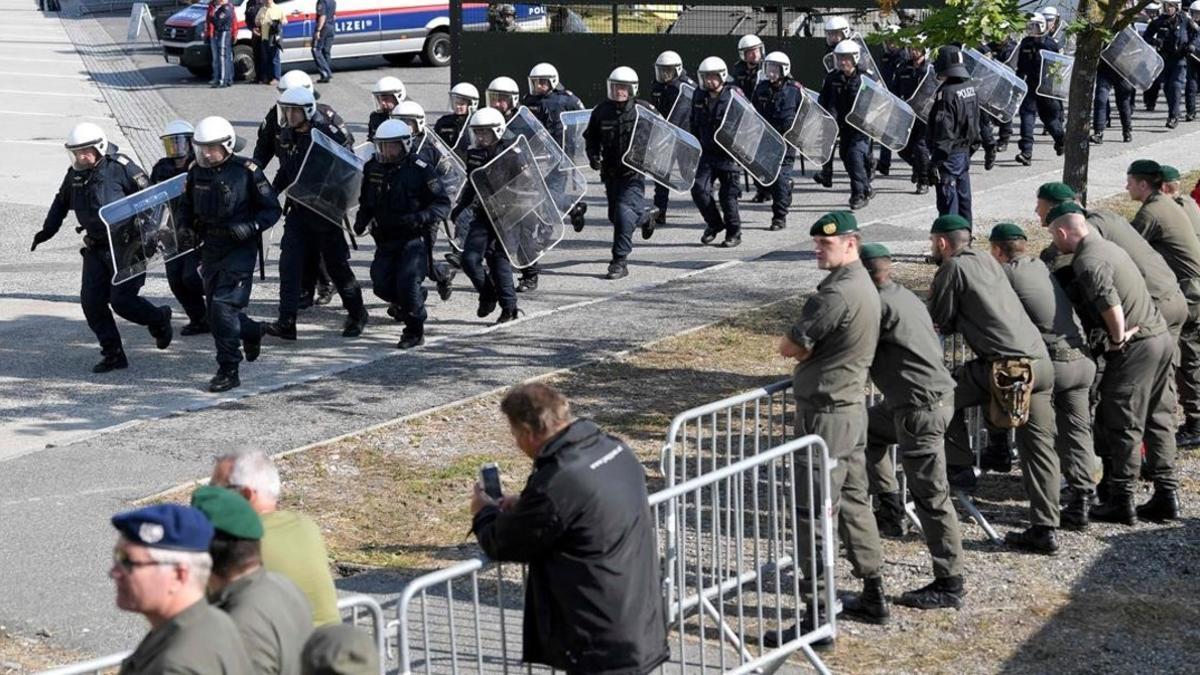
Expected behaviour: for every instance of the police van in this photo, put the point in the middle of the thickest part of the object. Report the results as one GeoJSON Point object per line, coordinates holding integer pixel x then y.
{"type": "Point", "coordinates": [394, 29]}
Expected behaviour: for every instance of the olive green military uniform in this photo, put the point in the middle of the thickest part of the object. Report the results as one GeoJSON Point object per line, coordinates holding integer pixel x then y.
{"type": "Point", "coordinates": [1192, 210]}
{"type": "Point", "coordinates": [199, 640]}
{"type": "Point", "coordinates": [273, 617]}
{"type": "Point", "coordinates": [1160, 280]}
{"type": "Point", "coordinates": [917, 406]}
{"type": "Point", "coordinates": [971, 295]}
{"type": "Point", "coordinates": [1134, 378]}
{"type": "Point", "coordinates": [1051, 311]}
{"type": "Point", "coordinates": [839, 326]}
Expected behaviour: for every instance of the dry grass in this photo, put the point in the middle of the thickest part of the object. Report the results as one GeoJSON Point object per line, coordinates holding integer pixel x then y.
{"type": "Point", "coordinates": [21, 655]}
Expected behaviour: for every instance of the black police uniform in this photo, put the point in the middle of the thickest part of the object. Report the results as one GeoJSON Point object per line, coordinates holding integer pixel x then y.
{"type": "Point", "coordinates": [402, 203]}
{"type": "Point", "coordinates": [837, 98]}
{"type": "Point", "coordinates": [1107, 80]}
{"type": "Point", "coordinates": [778, 102]}
{"type": "Point", "coordinates": [708, 112]}
{"type": "Point", "coordinates": [906, 78]}
{"type": "Point", "coordinates": [228, 206]}
{"type": "Point", "coordinates": [85, 192]}
{"type": "Point", "coordinates": [449, 128]}
{"type": "Point", "coordinates": [376, 118]}
{"type": "Point", "coordinates": [993, 133]}
{"type": "Point", "coordinates": [183, 275]}
{"type": "Point", "coordinates": [953, 134]}
{"type": "Point", "coordinates": [495, 283]}
{"type": "Point", "coordinates": [1174, 38]}
{"type": "Point", "coordinates": [890, 59]}
{"type": "Point", "coordinates": [663, 95]}
{"type": "Point", "coordinates": [607, 137]}
{"type": "Point", "coordinates": [1033, 107]}
{"type": "Point", "coordinates": [745, 76]}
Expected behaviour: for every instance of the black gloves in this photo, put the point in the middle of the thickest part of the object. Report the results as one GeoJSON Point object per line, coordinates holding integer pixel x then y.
{"type": "Point", "coordinates": [594, 162]}
{"type": "Point", "coordinates": [242, 231]}
{"type": "Point", "coordinates": [40, 237]}
{"type": "Point", "coordinates": [360, 227]}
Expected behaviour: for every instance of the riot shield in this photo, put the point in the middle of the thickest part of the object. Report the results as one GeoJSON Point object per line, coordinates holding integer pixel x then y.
{"type": "Point", "coordinates": [449, 167]}
{"type": "Point", "coordinates": [1055, 79]}
{"type": "Point", "coordinates": [567, 183]}
{"type": "Point", "coordinates": [866, 62]}
{"type": "Point", "coordinates": [329, 180]}
{"type": "Point", "coordinates": [1133, 59]}
{"type": "Point", "coordinates": [141, 229]}
{"type": "Point", "coordinates": [519, 203]}
{"type": "Point", "coordinates": [574, 123]}
{"type": "Point", "coordinates": [681, 110]}
{"type": "Point", "coordinates": [998, 88]}
{"type": "Point", "coordinates": [814, 132]}
{"type": "Point", "coordinates": [365, 151]}
{"type": "Point", "coordinates": [751, 141]}
{"type": "Point", "coordinates": [921, 100]}
{"type": "Point", "coordinates": [662, 151]}
{"type": "Point", "coordinates": [882, 115]}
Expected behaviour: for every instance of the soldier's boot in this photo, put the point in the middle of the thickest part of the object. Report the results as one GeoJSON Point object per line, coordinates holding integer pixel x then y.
{"type": "Point", "coordinates": [111, 362]}
{"type": "Point", "coordinates": [774, 638]}
{"type": "Point", "coordinates": [889, 515]}
{"type": "Point", "coordinates": [1163, 506]}
{"type": "Point", "coordinates": [1188, 434]}
{"type": "Point", "coordinates": [989, 158]}
{"type": "Point", "coordinates": [1190, 117]}
{"type": "Point", "coordinates": [577, 213]}
{"type": "Point", "coordinates": [306, 300]}
{"type": "Point", "coordinates": [1037, 539]}
{"type": "Point", "coordinates": [252, 344]}
{"type": "Point", "coordinates": [946, 592]}
{"type": "Point", "coordinates": [649, 220]}
{"type": "Point", "coordinates": [883, 169]}
{"type": "Point", "coordinates": [1002, 146]}
{"type": "Point", "coordinates": [962, 477]}
{"type": "Point", "coordinates": [507, 315]}
{"type": "Point", "coordinates": [529, 282]}
{"type": "Point", "coordinates": [410, 338]}
{"type": "Point", "coordinates": [761, 196]}
{"type": "Point", "coordinates": [1024, 159]}
{"type": "Point", "coordinates": [225, 379]}
{"type": "Point", "coordinates": [162, 332]}
{"type": "Point", "coordinates": [195, 327]}
{"type": "Point", "coordinates": [1115, 509]}
{"type": "Point", "coordinates": [617, 269]}
{"type": "Point", "coordinates": [356, 322]}
{"type": "Point", "coordinates": [1074, 514]}
{"type": "Point", "coordinates": [284, 327]}
{"type": "Point", "coordinates": [778, 223]}
{"type": "Point", "coordinates": [870, 606]}
{"type": "Point", "coordinates": [1096, 138]}
{"type": "Point", "coordinates": [395, 312]}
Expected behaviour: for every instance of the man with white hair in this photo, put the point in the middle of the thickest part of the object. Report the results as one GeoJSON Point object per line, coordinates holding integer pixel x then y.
{"type": "Point", "coordinates": [292, 544]}
{"type": "Point", "coordinates": [160, 567]}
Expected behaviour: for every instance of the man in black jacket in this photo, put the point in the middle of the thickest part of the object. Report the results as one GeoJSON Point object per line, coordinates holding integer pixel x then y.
{"type": "Point", "coordinates": [953, 133]}
{"type": "Point", "coordinates": [583, 524]}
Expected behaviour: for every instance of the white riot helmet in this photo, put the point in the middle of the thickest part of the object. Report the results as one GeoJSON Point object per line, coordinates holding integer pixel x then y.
{"type": "Point", "coordinates": [622, 76]}
{"type": "Point", "coordinates": [412, 113]}
{"type": "Point", "coordinates": [545, 72]}
{"type": "Point", "coordinates": [294, 78]}
{"type": "Point", "coordinates": [177, 139]}
{"type": "Point", "coordinates": [1051, 13]}
{"type": "Point", "coordinates": [1036, 25]}
{"type": "Point", "coordinates": [213, 131]}
{"type": "Point", "coordinates": [1194, 7]}
{"type": "Point", "coordinates": [486, 126]}
{"type": "Point", "coordinates": [750, 43]}
{"type": "Point", "coordinates": [1153, 9]}
{"type": "Point", "coordinates": [464, 92]}
{"type": "Point", "coordinates": [392, 131]}
{"type": "Point", "coordinates": [777, 66]}
{"type": "Point", "coordinates": [388, 90]}
{"type": "Point", "coordinates": [848, 48]}
{"type": "Point", "coordinates": [669, 66]}
{"type": "Point", "coordinates": [837, 28]}
{"type": "Point", "coordinates": [86, 135]}
{"type": "Point", "coordinates": [1167, 3]}
{"type": "Point", "coordinates": [295, 97]}
{"type": "Point", "coordinates": [503, 88]}
{"type": "Point", "coordinates": [712, 64]}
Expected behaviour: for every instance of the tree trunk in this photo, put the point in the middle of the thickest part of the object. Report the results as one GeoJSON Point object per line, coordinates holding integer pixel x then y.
{"type": "Point", "coordinates": [1079, 111]}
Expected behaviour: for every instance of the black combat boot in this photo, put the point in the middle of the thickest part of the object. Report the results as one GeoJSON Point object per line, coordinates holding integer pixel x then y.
{"type": "Point", "coordinates": [823, 180]}
{"type": "Point", "coordinates": [410, 338]}
{"type": "Point", "coordinates": [195, 328]}
{"type": "Point", "coordinates": [870, 606]}
{"type": "Point", "coordinates": [252, 344]}
{"type": "Point", "coordinates": [225, 379]}
{"type": "Point", "coordinates": [962, 477]}
{"type": "Point", "coordinates": [1127, 135]}
{"type": "Point", "coordinates": [1074, 514]}
{"type": "Point", "coordinates": [355, 323]}
{"type": "Point", "coordinates": [989, 158]}
{"type": "Point", "coordinates": [454, 258]}
{"type": "Point", "coordinates": [529, 282]}
{"type": "Point", "coordinates": [1163, 506]}
{"type": "Point", "coordinates": [507, 315]}
{"type": "Point", "coordinates": [577, 213]}
{"type": "Point", "coordinates": [284, 327]}
{"type": "Point", "coordinates": [1096, 138]}
{"type": "Point", "coordinates": [1037, 539]}
{"type": "Point", "coordinates": [889, 515]}
{"type": "Point", "coordinates": [649, 220]}
{"type": "Point", "coordinates": [111, 362]}
{"type": "Point", "coordinates": [1116, 509]}
{"type": "Point", "coordinates": [996, 456]}
{"type": "Point", "coordinates": [162, 332]}
{"type": "Point", "coordinates": [778, 223]}
{"type": "Point", "coordinates": [1172, 122]}
{"type": "Point", "coordinates": [1188, 434]}
{"type": "Point", "coordinates": [661, 218]}
{"type": "Point", "coordinates": [922, 188]}
{"type": "Point", "coordinates": [324, 294]}
{"type": "Point", "coordinates": [1024, 159]}
{"type": "Point", "coordinates": [732, 240]}
{"type": "Point", "coordinates": [708, 236]}
{"type": "Point", "coordinates": [617, 269]}
{"type": "Point", "coordinates": [946, 592]}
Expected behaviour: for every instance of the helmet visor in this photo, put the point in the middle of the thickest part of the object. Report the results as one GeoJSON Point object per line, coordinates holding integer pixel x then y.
{"type": "Point", "coordinates": [666, 73]}
{"type": "Point", "coordinates": [712, 80]}
{"type": "Point", "coordinates": [540, 85]}
{"type": "Point", "coordinates": [462, 103]}
{"type": "Point", "coordinates": [753, 54]}
{"type": "Point", "coordinates": [502, 101]}
{"type": "Point", "coordinates": [834, 36]}
{"type": "Point", "coordinates": [392, 150]}
{"type": "Point", "coordinates": [621, 91]}
{"type": "Point", "coordinates": [774, 71]}
{"type": "Point", "coordinates": [209, 155]}
{"type": "Point", "coordinates": [385, 101]}
{"type": "Point", "coordinates": [177, 145]}
{"type": "Point", "coordinates": [291, 116]}
{"type": "Point", "coordinates": [483, 137]}
{"type": "Point", "coordinates": [84, 157]}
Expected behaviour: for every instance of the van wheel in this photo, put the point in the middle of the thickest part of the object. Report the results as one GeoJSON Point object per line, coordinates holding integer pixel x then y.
{"type": "Point", "coordinates": [200, 72]}
{"type": "Point", "coordinates": [399, 59]}
{"type": "Point", "coordinates": [243, 62]}
{"type": "Point", "coordinates": [437, 49]}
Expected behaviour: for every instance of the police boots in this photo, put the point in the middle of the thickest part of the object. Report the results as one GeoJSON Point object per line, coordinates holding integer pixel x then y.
{"type": "Point", "coordinates": [284, 327]}
{"type": "Point", "coordinates": [507, 315]}
{"type": "Point", "coordinates": [356, 322]}
{"type": "Point", "coordinates": [1096, 138]}
{"type": "Point", "coordinates": [989, 158]}
{"type": "Point", "coordinates": [577, 212]}
{"type": "Point", "coordinates": [410, 338]}
{"type": "Point", "coordinates": [1037, 539]}
{"type": "Point", "coordinates": [617, 269]}
{"type": "Point", "coordinates": [870, 606]}
{"type": "Point", "coordinates": [111, 362]}
{"type": "Point", "coordinates": [195, 328]}
{"type": "Point", "coordinates": [649, 220]}
{"type": "Point", "coordinates": [778, 223]}
{"type": "Point", "coordinates": [946, 592]}
{"type": "Point", "coordinates": [1116, 509]}
{"type": "Point", "coordinates": [529, 282]}
{"type": "Point", "coordinates": [225, 379]}
{"type": "Point", "coordinates": [889, 515]}
{"type": "Point", "coordinates": [1163, 506]}
{"type": "Point", "coordinates": [162, 332]}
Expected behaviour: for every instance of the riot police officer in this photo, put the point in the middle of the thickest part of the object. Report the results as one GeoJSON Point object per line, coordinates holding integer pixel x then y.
{"type": "Point", "coordinates": [1107, 80]}
{"type": "Point", "coordinates": [669, 75]}
{"type": "Point", "coordinates": [1174, 35]}
{"type": "Point", "coordinates": [413, 115]}
{"type": "Point", "coordinates": [1029, 68]}
{"type": "Point", "coordinates": [892, 57]}
{"type": "Point", "coordinates": [547, 100]}
{"type": "Point", "coordinates": [402, 201]}
{"type": "Point", "coordinates": [502, 94]}
{"type": "Point", "coordinates": [993, 133]}
{"type": "Point", "coordinates": [953, 132]}
{"type": "Point", "coordinates": [750, 59]}
{"type": "Point", "coordinates": [464, 100]}
{"type": "Point", "coordinates": [495, 283]}
{"type": "Point", "coordinates": [99, 175]}
{"type": "Point", "coordinates": [709, 103]}
{"type": "Point", "coordinates": [607, 138]}
{"type": "Point", "coordinates": [228, 203]}
{"type": "Point", "coordinates": [1193, 66]}
{"type": "Point", "coordinates": [183, 275]}
{"type": "Point", "coordinates": [837, 97]}
{"type": "Point", "coordinates": [306, 232]}
{"type": "Point", "coordinates": [777, 99]}
{"type": "Point", "coordinates": [904, 84]}
{"type": "Point", "coordinates": [388, 93]}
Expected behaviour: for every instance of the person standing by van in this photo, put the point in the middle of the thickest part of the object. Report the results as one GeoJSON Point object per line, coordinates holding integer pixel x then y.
{"type": "Point", "coordinates": [322, 45]}
{"type": "Point", "coordinates": [271, 20]}
{"type": "Point", "coordinates": [224, 20]}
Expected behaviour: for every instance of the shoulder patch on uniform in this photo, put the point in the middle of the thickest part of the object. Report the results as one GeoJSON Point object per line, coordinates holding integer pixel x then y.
{"type": "Point", "coordinates": [251, 165]}
{"type": "Point", "coordinates": [121, 159]}
{"type": "Point", "coordinates": [421, 163]}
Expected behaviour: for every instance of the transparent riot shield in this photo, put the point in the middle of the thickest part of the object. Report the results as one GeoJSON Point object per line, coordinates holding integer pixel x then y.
{"type": "Point", "coordinates": [882, 115]}
{"type": "Point", "coordinates": [662, 151]}
{"type": "Point", "coordinates": [329, 180]}
{"type": "Point", "coordinates": [519, 203]}
{"type": "Point", "coordinates": [1133, 59]}
{"type": "Point", "coordinates": [751, 141]}
{"type": "Point", "coordinates": [921, 100]}
{"type": "Point", "coordinates": [681, 110]}
{"type": "Point", "coordinates": [998, 88]}
{"type": "Point", "coordinates": [449, 168]}
{"type": "Point", "coordinates": [574, 123]}
{"type": "Point", "coordinates": [142, 232]}
{"type": "Point", "coordinates": [814, 132]}
{"type": "Point", "coordinates": [365, 151]}
{"type": "Point", "coordinates": [567, 183]}
{"type": "Point", "coordinates": [1055, 79]}
{"type": "Point", "coordinates": [866, 62]}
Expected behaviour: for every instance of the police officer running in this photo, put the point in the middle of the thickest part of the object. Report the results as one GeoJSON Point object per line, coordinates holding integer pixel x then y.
{"type": "Point", "coordinates": [503, 94]}
{"type": "Point", "coordinates": [1193, 66]}
{"type": "Point", "coordinates": [1033, 107]}
{"type": "Point", "coordinates": [953, 132]}
{"type": "Point", "coordinates": [777, 99]}
{"type": "Point", "coordinates": [607, 139]}
{"type": "Point", "coordinates": [905, 81]}
{"type": "Point", "coordinates": [402, 200]}
{"type": "Point", "coordinates": [664, 93]}
{"type": "Point", "coordinates": [751, 51]}
{"type": "Point", "coordinates": [229, 203]}
{"type": "Point", "coordinates": [464, 100]}
{"type": "Point", "coordinates": [1107, 80]}
{"type": "Point", "coordinates": [388, 92]}
{"type": "Point", "coordinates": [709, 104]}
{"type": "Point", "coordinates": [183, 275]}
{"type": "Point", "coordinates": [548, 99]}
{"type": "Point", "coordinates": [100, 175]}
{"type": "Point", "coordinates": [993, 133]}
{"type": "Point", "coordinates": [837, 97]}
{"type": "Point", "coordinates": [268, 131]}
{"type": "Point", "coordinates": [1174, 35]}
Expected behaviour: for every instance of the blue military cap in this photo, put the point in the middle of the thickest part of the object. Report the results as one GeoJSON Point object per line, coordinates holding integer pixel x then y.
{"type": "Point", "coordinates": [170, 526]}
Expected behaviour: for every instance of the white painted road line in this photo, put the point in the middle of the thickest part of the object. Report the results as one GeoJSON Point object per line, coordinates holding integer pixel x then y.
{"type": "Point", "coordinates": [22, 92]}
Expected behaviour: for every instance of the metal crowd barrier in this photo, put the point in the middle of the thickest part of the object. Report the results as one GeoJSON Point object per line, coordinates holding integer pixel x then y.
{"type": "Point", "coordinates": [958, 354]}
{"type": "Point", "coordinates": [359, 606]}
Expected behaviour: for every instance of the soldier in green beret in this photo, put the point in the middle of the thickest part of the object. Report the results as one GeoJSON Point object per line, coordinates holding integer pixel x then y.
{"type": "Point", "coordinates": [339, 649]}
{"type": "Point", "coordinates": [272, 615]}
{"type": "Point", "coordinates": [833, 342]}
{"type": "Point", "coordinates": [1172, 188]}
{"type": "Point", "coordinates": [1047, 304]}
{"type": "Point", "coordinates": [918, 402]}
{"type": "Point", "coordinates": [1135, 388]}
{"type": "Point", "coordinates": [970, 295]}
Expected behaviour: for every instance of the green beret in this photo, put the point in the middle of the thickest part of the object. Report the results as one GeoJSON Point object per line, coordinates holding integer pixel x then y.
{"type": "Point", "coordinates": [228, 511]}
{"type": "Point", "coordinates": [1056, 192]}
{"type": "Point", "coordinates": [870, 251]}
{"type": "Point", "coordinates": [834, 223]}
{"type": "Point", "coordinates": [1064, 209]}
{"type": "Point", "coordinates": [1170, 174]}
{"type": "Point", "coordinates": [339, 649]}
{"type": "Point", "coordinates": [1145, 167]}
{"type": "Point", "coordinates": [949, 223]}
{"type": "Point", "coordinates": [1007, 232]}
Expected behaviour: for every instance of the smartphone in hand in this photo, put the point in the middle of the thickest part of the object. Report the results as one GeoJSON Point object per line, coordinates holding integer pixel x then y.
{"type": "Point", "coordinates": [489, 474]}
